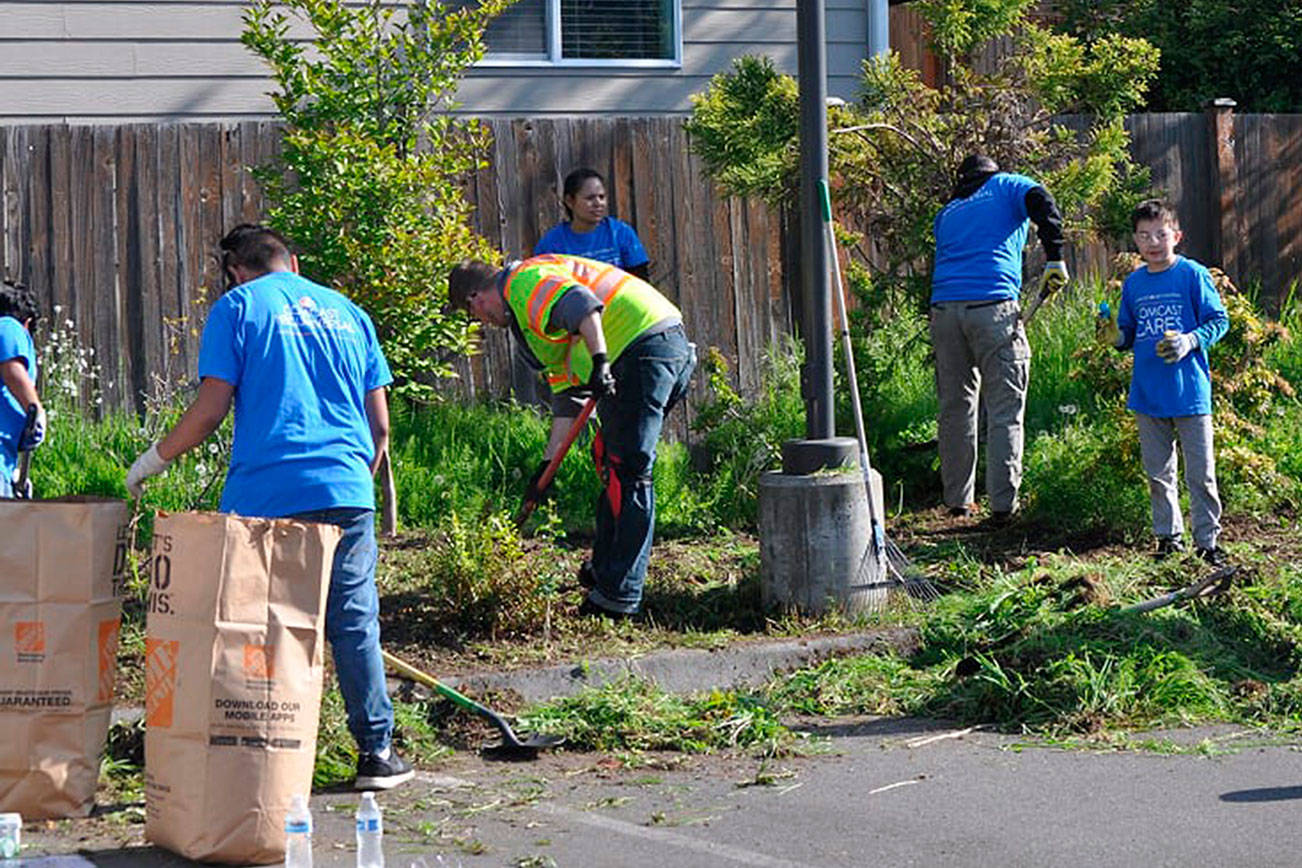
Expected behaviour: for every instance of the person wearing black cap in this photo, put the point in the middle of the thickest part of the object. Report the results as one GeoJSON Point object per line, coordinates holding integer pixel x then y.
{"type": "Point", "coordinates": [982, 355]}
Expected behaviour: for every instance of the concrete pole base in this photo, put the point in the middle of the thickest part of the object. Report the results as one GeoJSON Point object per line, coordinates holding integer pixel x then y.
{"type": "Point", "coordinates": [816, 543]}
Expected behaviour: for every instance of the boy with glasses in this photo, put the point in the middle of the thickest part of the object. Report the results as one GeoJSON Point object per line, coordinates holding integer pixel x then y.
{"type": "Point", "coordinates": [1170, 314]}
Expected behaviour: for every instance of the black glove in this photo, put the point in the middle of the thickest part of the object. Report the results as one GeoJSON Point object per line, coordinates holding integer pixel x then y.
{"type": "Point", "coordinates": [602, 381]}
{"type": "Point", "coordinates": [535, 495]}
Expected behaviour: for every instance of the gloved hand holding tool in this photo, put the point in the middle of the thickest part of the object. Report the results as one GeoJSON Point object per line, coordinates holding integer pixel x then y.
{"type": "Point", "coordinates": [1174, 346]}
{"type": "Point", "coordinates": [1106, 330]}
{"type": "Point", "coordinates": [33, 435]}
{"type": "Point", "coordinates": [601, 382]}
{"type": "Point", "coordinates": [150, 463]}
{"type": "Point", "coordinates": [1055, 277]}
{"type": "Point", "coordinates": [537, 491]}
{"type": "Point", "coordinates": [546, 472]}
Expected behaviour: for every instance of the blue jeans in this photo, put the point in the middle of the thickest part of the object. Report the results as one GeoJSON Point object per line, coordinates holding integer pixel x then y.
{"type": "Point", "coordinates": [353, 625]}
{"type": "Point", "coordinates": [651, 376]}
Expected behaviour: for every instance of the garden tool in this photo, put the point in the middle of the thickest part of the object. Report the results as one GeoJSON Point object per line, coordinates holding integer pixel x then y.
{"type": "Point", "coordinates": [511, 746]}
{"type": "Point", "coordinates": [549, 472]}
{"type": "Point", "coordinates": [892, 564]}
{"type": "Point", "coordinates": [1217, 582]}
{"type": "Point", "coordinates": [1048, 286]}
{"type": "Point", "coordinates": [23, 482]}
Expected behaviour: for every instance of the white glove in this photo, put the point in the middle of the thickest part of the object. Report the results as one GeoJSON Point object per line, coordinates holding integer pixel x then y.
{"type": "Point", "coordinates": [1176, 345]}
{"type": "Point", "coordinates": [150, 463]}
{"type": "Point", "coordinates": [1055, 275]}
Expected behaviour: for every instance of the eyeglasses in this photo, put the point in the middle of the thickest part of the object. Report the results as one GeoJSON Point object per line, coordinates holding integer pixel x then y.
{"type": "Point", "coordinates": [1161, 237]}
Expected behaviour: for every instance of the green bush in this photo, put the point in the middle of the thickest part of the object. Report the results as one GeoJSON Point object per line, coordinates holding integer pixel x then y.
{"type": "Point", "coordinates": [741, 438]}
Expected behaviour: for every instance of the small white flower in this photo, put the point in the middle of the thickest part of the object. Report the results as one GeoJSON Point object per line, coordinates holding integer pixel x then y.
{"type": "Point", "coordinates": [1067, 409]}
{"type": "Point", "coordinates": [201, 468]}
{"type": "Point", "coordinates": [58, 309]}
{"type": "Point", "coordinates": [212, 448]}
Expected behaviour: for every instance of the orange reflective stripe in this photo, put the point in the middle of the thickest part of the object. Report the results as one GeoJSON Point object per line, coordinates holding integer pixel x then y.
{"type": "Point", "coordinates": [539, 301]}
{"type": "Point", "coordinates": [611, 282]}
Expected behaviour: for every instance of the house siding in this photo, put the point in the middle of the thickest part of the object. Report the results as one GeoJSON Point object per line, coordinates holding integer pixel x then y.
{"type": "Point", "coordinates": [94, 61]}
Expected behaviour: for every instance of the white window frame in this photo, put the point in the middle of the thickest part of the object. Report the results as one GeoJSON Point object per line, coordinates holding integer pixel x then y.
{"type": "Point", "coordinates": [553, 59]}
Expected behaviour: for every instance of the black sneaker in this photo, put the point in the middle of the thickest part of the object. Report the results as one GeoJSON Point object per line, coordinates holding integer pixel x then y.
{"type": "Point", "coordinates": [374, 773]}
{"type": "Point", "coordinates": [1215, 556]}
{"type": "Point", "coordinates": [587, 577]}
{"type": "Point", "coordinates": [963, 511]}
{"type": "Point", "coordinates": [589, 609]}
{"type": "Point", "coordinates": [1168, 545]}
{"type": "Point", "coordinates": [1002, 517]}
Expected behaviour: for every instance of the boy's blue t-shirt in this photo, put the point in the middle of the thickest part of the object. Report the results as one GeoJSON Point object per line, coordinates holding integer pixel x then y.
{"type": "Point", "coordinates": [301, 358]}
{"type": "Point", "coordinates": [15, 343]}
{"type": "Point", "coordinates": [1180, 298]}
{"type": "Point", "coordinates": [979, 242]}
{"type": "Point", "coordinates": [612, 241]}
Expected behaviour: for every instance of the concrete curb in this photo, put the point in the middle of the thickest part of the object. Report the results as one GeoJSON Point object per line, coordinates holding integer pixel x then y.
{"type": "Point", "coordinates": [677, 670]}
{"type": "Point", "coordinates": [690, 670]}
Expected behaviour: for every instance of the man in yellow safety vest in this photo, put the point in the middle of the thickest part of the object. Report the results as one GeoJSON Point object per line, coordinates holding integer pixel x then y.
{"type": "Point", "coordinates": [593, 329]}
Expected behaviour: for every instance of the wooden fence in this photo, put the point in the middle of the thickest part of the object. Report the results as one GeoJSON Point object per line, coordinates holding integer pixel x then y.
{"type": "Point", "coordinates": [116, 225]}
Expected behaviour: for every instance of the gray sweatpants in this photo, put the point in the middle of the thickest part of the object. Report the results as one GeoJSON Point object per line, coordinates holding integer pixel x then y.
{"type": "Point", "coordinates": [1157, 438]}
{"type": "Point", "coordinates": [982, 356]}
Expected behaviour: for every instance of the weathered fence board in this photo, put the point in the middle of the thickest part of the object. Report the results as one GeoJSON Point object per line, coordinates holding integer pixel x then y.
{"type": "Point", "coordinates": [117, 226]}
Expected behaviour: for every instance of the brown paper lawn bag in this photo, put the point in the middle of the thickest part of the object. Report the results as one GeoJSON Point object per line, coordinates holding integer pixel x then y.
{"type": "Point", "coordinates": [62, 571]}
{"type": "Point", "coordinates": [234, 660]}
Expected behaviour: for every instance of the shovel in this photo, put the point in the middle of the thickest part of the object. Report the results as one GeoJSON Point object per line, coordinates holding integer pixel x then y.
{"type": "Point", "coordinates": [1217, 582]}
{"type": "Point", "coordinates": [512, 745]}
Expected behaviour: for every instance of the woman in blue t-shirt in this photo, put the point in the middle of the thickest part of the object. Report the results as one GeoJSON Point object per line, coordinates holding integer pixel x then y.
{"type": "Point", "coordinates": [590, 231]}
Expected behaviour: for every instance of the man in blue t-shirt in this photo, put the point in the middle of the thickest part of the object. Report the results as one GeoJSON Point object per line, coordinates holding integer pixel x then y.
{"type": "Point", "coordinates": [982, 355]}
{"type": "Point", "coordinates": [18, 313]}
{"type": "Point", "coordinates": [303, 367]}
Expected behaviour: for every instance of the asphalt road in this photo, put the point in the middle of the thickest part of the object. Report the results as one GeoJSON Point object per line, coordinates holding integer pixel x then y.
{"type": "Point", "coordinates": [881, 792]}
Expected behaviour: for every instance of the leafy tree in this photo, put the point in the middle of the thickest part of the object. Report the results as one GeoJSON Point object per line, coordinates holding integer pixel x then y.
{"type": "Point", "coordinates": [1052, 108]}
{"type": "Point", "coordinates": [1249, 50]}
{"type": "Point", "coordinates": [368, 180]}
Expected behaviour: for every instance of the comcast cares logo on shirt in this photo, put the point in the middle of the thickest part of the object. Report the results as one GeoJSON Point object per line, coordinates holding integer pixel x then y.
{"type": "Point", "coordinates": [305, 315]}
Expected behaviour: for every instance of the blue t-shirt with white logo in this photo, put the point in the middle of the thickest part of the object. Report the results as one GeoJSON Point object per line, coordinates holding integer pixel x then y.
{"type": "Point", "coordinates": [1181, 298]}
{"type": "Point", "coordinates": [15, 343]}
{"type": "Point", "coordinates": [612, 241]}
{"type": "Point", "coordinates": [979, 242]}
{"type": "Point", "coordinates": [301, 358]}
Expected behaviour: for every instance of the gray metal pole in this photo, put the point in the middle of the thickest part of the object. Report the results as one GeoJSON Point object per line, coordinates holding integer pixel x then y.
{"type": "Point", "coordinates": [811, 33]}
{"type": "Point", "coordinates": [879, 28]}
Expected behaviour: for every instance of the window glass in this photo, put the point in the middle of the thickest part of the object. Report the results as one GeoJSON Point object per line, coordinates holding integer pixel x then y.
{"type": "Point", "coordinates": [616, 29]}
{"type": "Point", "coordinates": [521, 29]}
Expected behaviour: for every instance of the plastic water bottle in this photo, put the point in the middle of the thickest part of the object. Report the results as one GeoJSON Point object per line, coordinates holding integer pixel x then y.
{"type": "Point", "coordinates": [298, 834]}
{"type": "Point", "coordinates": [370, 833]}
{"type": "Point", "coordinates": [1105, 310]}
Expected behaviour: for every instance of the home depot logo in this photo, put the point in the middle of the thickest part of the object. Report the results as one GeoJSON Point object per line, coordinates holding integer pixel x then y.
{"type": "Point", "coordinates": [29, 641]}
{"type": "Point", "coordinates": [257, 663]}
{"type": "Point", "coordinates": [160, 680]}
{"type": "Point", "coordinates": [108, 659]}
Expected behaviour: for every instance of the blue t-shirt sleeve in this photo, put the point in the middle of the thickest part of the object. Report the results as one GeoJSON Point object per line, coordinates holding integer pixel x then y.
{"type": "Point", "coordinates": [13, 341]}
{"type": "Point", "coordinates": [1213, 321]}
{"type": "Point", "coordinates": [1016, 189]}
{"type": "Point", "coordinates": [377, 367]}
{"type": "Point", "coordinates": [221, 354]}
{"type": "Point", "coordinates": [631, 252]}
{"type": "Point", "coordinates": [550, 242]}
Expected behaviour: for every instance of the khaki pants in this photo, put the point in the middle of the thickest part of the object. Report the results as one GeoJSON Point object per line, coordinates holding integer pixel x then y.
{"type": "Point", "coordinates": [982, 356]}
